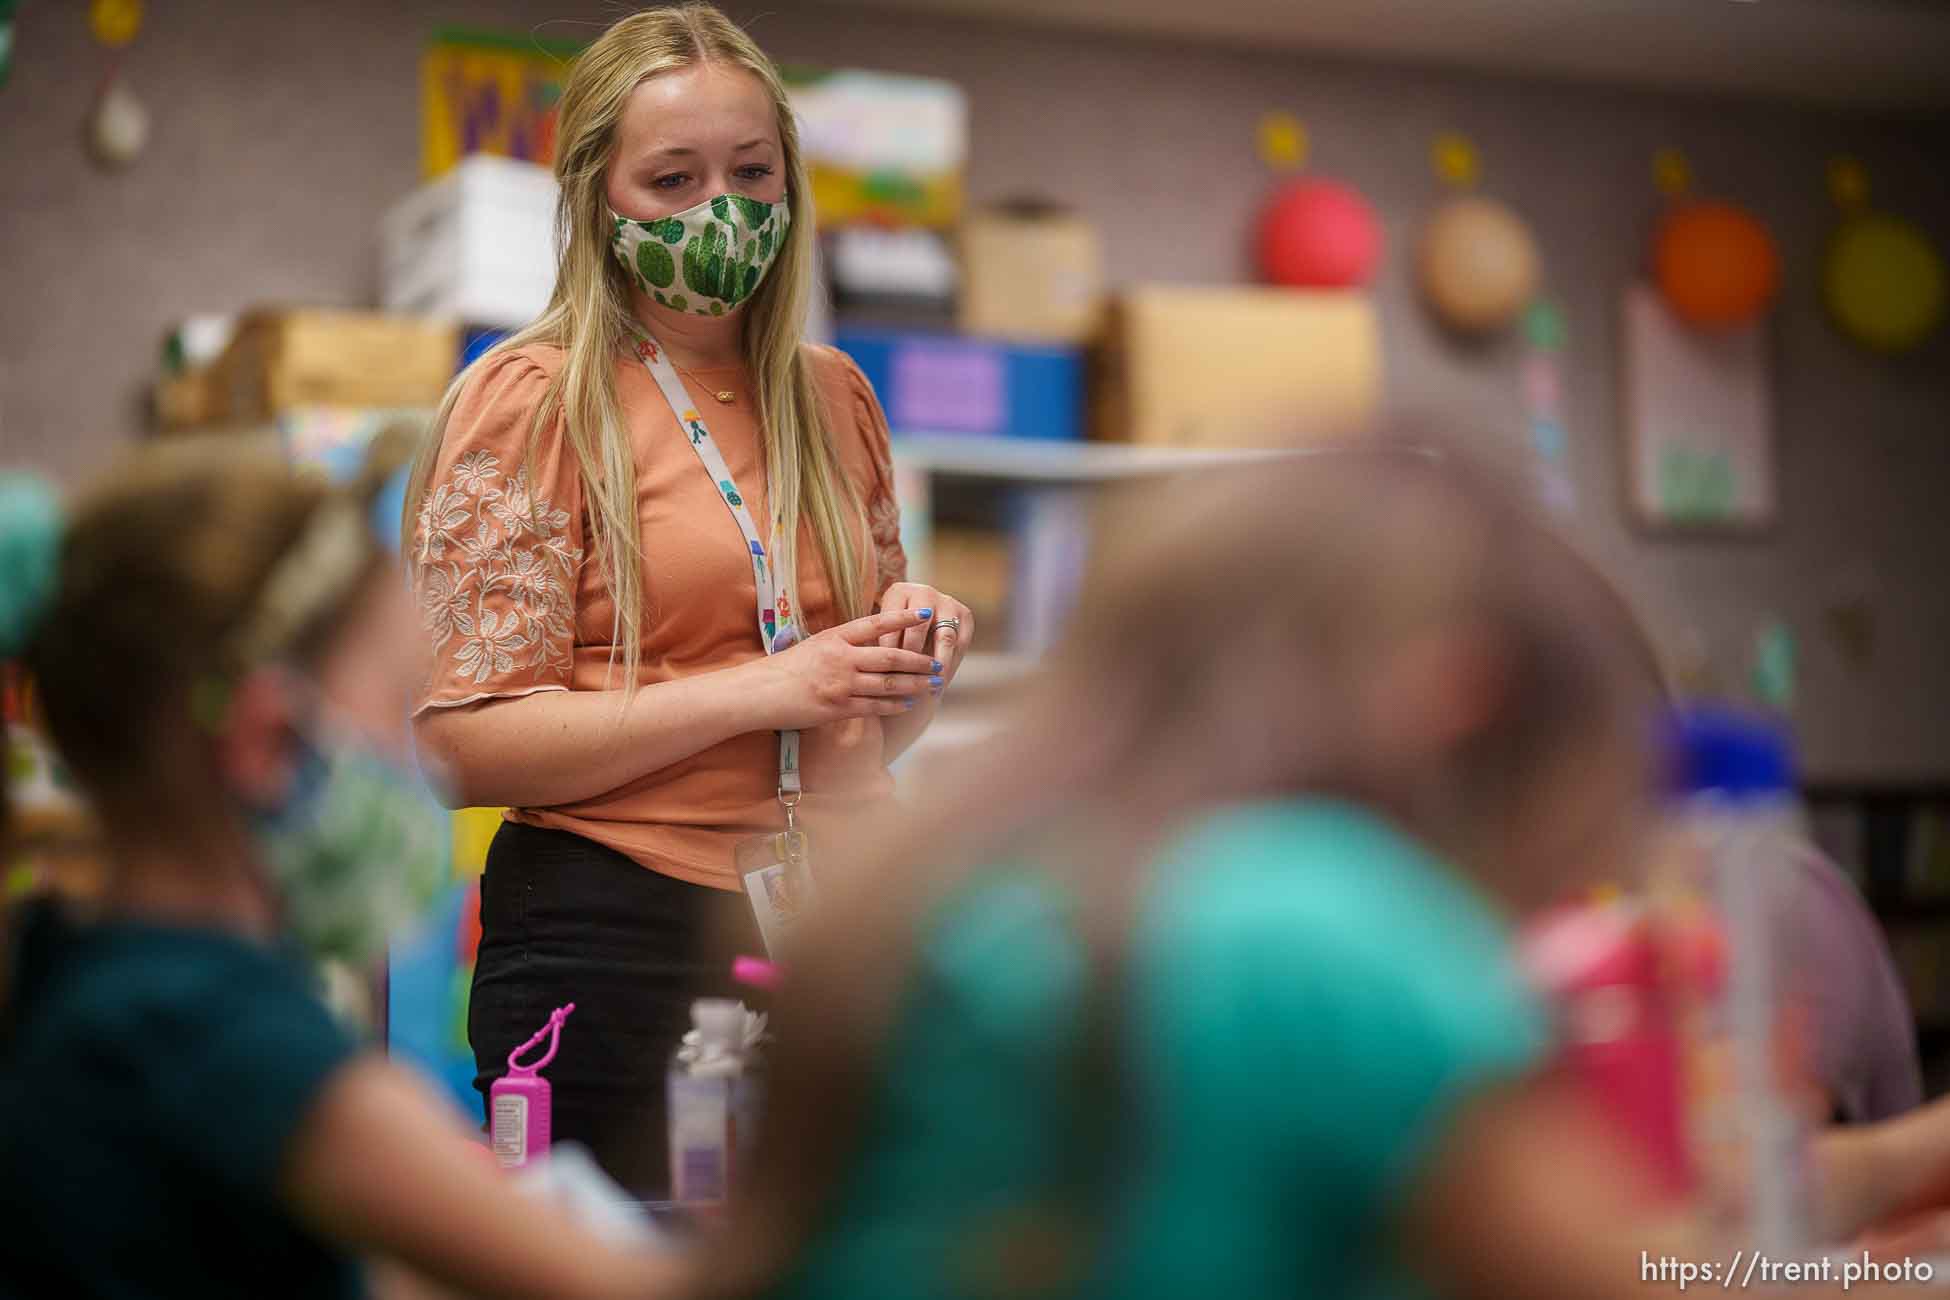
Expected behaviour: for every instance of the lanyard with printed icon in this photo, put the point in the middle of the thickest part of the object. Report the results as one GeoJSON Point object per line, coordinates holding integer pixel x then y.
{"type": "Point", "coordinates": [773, 865]}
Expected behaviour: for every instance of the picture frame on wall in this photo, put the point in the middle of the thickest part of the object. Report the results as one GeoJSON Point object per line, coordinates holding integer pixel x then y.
{"type": "Point", "coordinates": [1697, 411]}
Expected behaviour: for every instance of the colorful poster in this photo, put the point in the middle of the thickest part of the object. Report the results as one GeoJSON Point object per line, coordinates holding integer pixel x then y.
{"type": "Point", "coordinates": [490, 92]}
{"type": "Point", "coordinates": [1699, 420]}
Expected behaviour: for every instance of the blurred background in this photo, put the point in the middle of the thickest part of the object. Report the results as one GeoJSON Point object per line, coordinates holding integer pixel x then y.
{"type": "Point", "coordinates": [1685, 256]}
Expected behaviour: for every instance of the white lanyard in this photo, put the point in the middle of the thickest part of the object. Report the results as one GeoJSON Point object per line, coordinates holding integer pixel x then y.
{"type": "Point", "coordinates": [778, 622]}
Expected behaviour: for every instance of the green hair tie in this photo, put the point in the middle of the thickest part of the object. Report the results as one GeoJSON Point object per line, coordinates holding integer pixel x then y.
{"type": "Point", "coordinates": [30, 558]}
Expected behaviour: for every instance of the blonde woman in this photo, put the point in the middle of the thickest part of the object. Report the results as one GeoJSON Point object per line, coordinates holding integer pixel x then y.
{"type": "Point", "coordinates": [650, 536]}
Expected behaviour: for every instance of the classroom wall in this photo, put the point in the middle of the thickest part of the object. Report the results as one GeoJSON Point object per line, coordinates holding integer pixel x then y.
{"type": "Point", "coordinates": [281, 131]}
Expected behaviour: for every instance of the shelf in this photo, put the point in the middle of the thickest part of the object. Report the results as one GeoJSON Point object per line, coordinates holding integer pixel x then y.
{"type": "Point", "coordinates": [1035, 460]}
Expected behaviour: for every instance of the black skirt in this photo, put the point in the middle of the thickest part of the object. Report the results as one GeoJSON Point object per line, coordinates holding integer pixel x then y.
{"type": "Point", "coordinates": [564, 919]}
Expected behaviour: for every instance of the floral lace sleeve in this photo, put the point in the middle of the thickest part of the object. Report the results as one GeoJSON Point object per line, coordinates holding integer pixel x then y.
{"type": "Point", "coordinates": [498, 546]}
{"type": "Point", "coordinates": [883, 508]}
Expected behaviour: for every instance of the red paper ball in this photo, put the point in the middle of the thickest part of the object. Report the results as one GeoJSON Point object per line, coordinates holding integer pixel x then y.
{"type": "Point", "coordinates": [1716, 265]}
{"type": "Point", "coordinates": [1318, 234]}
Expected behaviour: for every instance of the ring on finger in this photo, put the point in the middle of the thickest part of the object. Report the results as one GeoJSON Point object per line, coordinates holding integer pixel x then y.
{"type": "Point", "coordinates": [890, 684]}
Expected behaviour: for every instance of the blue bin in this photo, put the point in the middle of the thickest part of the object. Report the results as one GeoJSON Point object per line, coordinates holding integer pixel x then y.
{"type": "Point", "coordinates": [944, 383]}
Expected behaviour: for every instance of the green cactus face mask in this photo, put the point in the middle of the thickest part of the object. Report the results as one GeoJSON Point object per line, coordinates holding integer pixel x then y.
{"type": "Point", "coordinates": [705, 260]}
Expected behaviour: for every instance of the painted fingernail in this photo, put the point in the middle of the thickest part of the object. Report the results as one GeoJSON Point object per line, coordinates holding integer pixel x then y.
{"type": "Point", "coordinates": [908, 703]}
{"type": "Point", "coordinates": [924, 613]}
{"type": "Point", "coordinates": [934, 665]}
{"type": "Point", "coordinates": [936, 682]}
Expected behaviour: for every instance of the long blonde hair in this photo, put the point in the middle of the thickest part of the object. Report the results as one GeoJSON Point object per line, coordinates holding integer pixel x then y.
{"type": "Point", "coordinates": [589, 318]}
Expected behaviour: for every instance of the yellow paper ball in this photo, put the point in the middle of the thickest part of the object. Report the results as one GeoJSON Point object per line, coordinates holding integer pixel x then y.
{"type": "Point", "coordinates": [1848, 184]}
{"type": "Point", "coordinates": [1671, 173]}
{"type": "Point", "coordinates": [1884, 282]}
{"type": "Point", "coordinates": [1282, 141]}
{"type": "Point", "coordinates": [1455, 160]}
{"type": "Point", "coordinates": [115, 22]}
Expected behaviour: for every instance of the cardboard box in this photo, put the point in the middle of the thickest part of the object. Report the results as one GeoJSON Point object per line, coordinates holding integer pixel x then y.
{"type": "Point", "coordinates": [1236, 367]}
{"type": "Point", "coordinates": [938, 383]}
{"type": "Point", "coordinates": [285, 359]}
{"type": "Point", "coordinates": [190, 399]}
{"type": "Point", "coordinates": [476, 245]}
{"type": "Point", "coordinates": [976, 566]}
{"type": "Point", "coordinates": [1031, 272]}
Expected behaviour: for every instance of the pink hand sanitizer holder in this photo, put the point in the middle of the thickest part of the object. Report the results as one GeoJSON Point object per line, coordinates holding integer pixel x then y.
{"type": "Point", "coordinates": [518, 1102]}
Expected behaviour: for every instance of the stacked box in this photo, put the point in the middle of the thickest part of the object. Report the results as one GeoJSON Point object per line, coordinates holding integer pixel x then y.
{"type": "Point", "coordinates": [1236, 367]}
{"type": "Point", "coordinates": [476, 245]}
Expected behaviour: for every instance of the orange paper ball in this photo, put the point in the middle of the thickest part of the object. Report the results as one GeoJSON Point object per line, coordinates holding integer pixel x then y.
{"type": "Point", "coordinates": [1716, 265]}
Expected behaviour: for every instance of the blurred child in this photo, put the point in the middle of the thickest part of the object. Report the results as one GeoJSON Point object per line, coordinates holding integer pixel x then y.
{"type": "Point", "coordinates": [1204, 985]}
{"type": "Point", "coordinates": [223, 654]}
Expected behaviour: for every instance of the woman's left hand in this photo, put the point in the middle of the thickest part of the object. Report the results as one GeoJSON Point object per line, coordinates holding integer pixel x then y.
{"type": "Point", "coordinates": [947, 644]}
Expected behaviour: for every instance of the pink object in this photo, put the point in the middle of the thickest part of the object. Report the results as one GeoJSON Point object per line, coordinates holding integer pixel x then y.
{"type": "Point", "coordinates": [1602, 968]}
{"type": "Point", "coordinates": [1541, 391]}
{"type": "Point", "coordinates": [757, 973]}
{"type": "Point", "coordinates": [518, 1102]}
{"type": "Point", "coordinates": [1318, 234]}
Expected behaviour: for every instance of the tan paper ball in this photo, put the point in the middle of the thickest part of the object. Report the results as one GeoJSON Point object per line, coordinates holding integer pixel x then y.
{"type": "Point", "coordinates": [1478, 264]}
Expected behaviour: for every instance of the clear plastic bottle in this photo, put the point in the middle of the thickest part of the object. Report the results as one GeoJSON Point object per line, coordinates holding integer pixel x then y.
{"type": "Point", "coordinates": [1749, 1122]}
{"type": "Point", "coordinates": [714, 1093]}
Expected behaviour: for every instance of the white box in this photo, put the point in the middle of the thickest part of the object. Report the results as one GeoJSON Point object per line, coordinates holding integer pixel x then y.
{"type": "Point", "coordinates": [476, 245]}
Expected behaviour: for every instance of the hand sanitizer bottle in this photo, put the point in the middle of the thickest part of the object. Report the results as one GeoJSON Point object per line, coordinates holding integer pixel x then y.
{"type": "Point", "coordinates": [518, 1102]}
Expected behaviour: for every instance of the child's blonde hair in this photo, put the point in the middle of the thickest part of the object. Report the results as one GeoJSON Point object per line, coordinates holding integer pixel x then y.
{"type": "Point", "coordinates": [589, 318]}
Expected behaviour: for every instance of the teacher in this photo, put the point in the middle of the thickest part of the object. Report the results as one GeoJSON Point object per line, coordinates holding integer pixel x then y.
{"type": "Point", "coordinates": [658, 559]}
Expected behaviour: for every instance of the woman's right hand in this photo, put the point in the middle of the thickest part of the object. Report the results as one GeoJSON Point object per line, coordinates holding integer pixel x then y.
{"type": "Point", "coordinates": [844, 672]}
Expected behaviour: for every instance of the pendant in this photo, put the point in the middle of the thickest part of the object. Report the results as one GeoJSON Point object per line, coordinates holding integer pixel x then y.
{"type": "Point", "coordinates": [726, 396]}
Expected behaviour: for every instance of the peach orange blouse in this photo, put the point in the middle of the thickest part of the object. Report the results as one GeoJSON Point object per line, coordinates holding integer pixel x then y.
{"type": "Point", "coordinates": [513, 602]}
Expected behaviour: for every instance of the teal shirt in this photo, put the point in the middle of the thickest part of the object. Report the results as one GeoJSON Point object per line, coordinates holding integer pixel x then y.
{"type": "Point", "coordinates": [151, 1079]}
{"type": "Point", "coordinates": [1306, 996]}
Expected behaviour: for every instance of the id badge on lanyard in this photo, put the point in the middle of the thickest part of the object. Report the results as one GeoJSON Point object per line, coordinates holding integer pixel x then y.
{"type": "Point", "coordinates": [776, 868]}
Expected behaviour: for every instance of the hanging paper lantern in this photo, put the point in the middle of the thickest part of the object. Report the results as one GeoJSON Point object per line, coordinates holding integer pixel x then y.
{"type": "Point", "coordinates": [1884, 282]}
{"type": "Point", "coordinates": [1716, 265]}
{"type": "Point", "coordinates": [1318, 234]}
{"type": "Point", "coordinates": [1478, 264]}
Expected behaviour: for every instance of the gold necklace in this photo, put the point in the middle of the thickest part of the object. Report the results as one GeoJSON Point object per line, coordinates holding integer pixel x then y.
{"type": "Point", "coordinates": [724, 395]}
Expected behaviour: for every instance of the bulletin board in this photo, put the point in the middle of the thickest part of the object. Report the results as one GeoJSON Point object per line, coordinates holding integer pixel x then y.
{"type": "Point", "coordinates": [1699, 421]}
